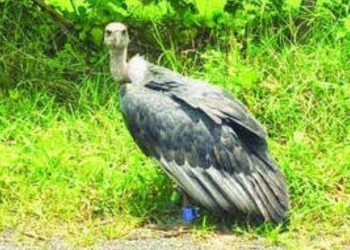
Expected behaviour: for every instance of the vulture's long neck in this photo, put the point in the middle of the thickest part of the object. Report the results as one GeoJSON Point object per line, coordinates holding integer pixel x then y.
{"type": "Point", "coordinates": [118, 64]}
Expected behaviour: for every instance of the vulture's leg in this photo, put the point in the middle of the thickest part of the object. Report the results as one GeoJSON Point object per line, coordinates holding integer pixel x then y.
{"type": "Point", "coordinates": [186, 200]}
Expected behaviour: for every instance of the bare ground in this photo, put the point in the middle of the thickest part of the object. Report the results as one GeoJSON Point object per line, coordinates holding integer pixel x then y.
{"type": "Point", "coordinates": [162, 239]}
{"type": "Point", "coordinates": [144, 239]}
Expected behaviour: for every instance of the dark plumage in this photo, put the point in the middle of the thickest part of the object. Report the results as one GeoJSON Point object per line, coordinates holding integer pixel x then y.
{"type": "Point", "coordinates": [205, 140]}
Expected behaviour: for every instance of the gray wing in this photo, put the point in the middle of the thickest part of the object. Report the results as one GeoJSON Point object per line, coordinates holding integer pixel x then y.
{"type": "Point", "coordinates": [213, 101]}
{"type": "Point", "coordinates": [206, 158]}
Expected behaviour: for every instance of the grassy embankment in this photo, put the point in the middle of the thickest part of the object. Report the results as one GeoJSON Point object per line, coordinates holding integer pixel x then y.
{"type": "Point", "coordinates": [68, 164]}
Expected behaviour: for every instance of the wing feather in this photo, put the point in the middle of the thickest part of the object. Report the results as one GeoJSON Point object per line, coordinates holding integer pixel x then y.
{"type": "Point", "coordinates": [210, 161]}
{"type": "Point", "coordinates": [212, 100]}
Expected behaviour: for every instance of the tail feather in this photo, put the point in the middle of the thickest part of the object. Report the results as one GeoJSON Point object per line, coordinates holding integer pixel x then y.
{"type": "Point", "coordinates": [260, 193]}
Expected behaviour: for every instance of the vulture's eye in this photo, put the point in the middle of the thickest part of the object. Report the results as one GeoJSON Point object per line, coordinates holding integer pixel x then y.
{"type": "Point", "coordinates": [108, 32]}
{"type": "Point", "coordinates": [124, 32]}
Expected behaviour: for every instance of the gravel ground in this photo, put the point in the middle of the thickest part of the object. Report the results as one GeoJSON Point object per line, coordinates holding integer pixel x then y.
{"type": "Point", "coordinates": [146, 240]}
{"type": "Point", "coordinates": [177, 243]}
{"type": "Point", "coordinates": [155, 239]}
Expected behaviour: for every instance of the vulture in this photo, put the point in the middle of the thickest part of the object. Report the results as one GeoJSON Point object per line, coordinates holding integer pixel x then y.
{"type": "Point", "coordinates": [204, 139]}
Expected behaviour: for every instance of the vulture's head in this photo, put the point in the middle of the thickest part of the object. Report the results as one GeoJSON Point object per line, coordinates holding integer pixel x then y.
{"type": "Point", "coordinates": [116, 36]}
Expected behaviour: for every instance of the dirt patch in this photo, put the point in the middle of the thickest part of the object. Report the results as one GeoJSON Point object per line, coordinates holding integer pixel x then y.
{"type": "Point", "coordinates": [145, 239]}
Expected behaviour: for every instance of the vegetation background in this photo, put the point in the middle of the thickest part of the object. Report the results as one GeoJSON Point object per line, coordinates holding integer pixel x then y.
{"type": "Point", "coordinates": [67, 162]}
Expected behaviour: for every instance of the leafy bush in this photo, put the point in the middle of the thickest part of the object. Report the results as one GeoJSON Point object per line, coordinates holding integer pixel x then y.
{"type": "Point", "coordinates": [248, 19]}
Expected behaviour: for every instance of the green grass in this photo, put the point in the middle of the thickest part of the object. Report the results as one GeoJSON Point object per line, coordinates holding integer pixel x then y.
{"type": "Point", "coordinates": [68, 164]}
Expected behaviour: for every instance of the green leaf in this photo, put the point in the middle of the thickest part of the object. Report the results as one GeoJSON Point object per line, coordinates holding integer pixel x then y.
{"type": "Point", "coordinates": [346, 21]}
{"type": "Point", "coordinates": [208, 8]}
{"type": "Point", "coordinates": [291, 5]}
{"type": "Point", "coordinates": [118, 9]}
{"type": "Point", "coordinates": [175, 197]}
{"type": "Point", "coordinates": [247, 77]}
{"type": "Point", "coordinates": [96, 35]}
{"type": "Point", "coordinates": [82, 10]}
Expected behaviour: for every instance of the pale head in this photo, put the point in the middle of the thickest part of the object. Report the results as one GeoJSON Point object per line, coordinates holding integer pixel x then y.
{"type": "Point", "coordinates": [116, 36]}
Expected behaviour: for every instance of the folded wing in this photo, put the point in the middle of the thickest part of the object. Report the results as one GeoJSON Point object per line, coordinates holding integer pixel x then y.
{"type": "Point", "coordinates": [208, 143]}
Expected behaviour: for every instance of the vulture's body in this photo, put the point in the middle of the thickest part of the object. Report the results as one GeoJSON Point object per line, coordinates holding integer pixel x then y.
{"type": "Point", "coordinates": [204, 139]}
